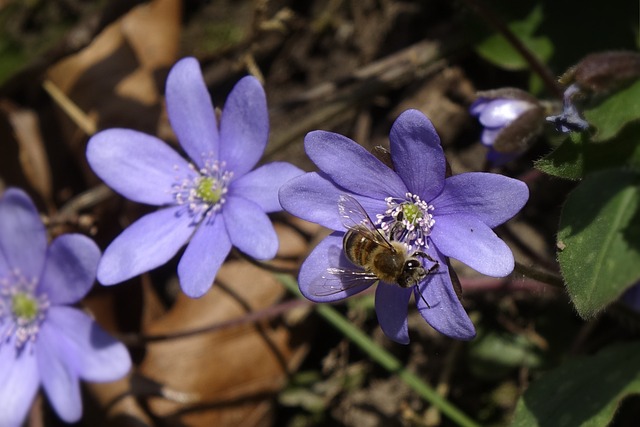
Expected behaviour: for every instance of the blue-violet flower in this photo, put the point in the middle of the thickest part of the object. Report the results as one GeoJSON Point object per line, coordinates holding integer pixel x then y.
{"type": "Point", "coordinates": [570, 120]}
{"type": "Point", "coordinates": [441, 217]}
{"type": "Point", "coordinates": [511, 120]}
{"type": "Point", "coordinates": [43, 340]}
{"type": "Point", "coordinates": [212, 202]}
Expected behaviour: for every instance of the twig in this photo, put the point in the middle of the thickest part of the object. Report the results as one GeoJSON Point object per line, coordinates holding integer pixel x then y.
{"type": "Point", "coordinates": [538, 67]}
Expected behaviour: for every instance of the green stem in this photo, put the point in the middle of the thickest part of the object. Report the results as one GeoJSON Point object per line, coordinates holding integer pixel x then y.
{"type": "Point", "coordinates": [382, 357]}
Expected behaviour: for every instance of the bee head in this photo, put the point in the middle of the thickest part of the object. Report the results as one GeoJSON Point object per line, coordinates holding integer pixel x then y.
{"type": "Point", "coordinates": [412, 273]}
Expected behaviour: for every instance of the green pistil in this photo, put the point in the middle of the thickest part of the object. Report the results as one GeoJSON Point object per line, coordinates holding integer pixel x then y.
{"type": "Point", "coordinates": [24, 306]}
{"type": "Point", "coordinates": [209, 191]}
{"type": "Point", "coordinates": [411, 212]}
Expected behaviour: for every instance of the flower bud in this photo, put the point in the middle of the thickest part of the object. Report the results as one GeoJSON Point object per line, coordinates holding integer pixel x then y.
{"type": "Point", "coordinates": [512, 119]}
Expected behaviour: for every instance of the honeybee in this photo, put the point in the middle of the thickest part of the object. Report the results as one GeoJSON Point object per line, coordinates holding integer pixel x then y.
{"type": "Point", "coordinates": [366, 247]}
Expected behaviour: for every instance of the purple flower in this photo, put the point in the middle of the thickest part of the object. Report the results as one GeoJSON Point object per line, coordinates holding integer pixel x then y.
{"type": "Point", "coordinates": [43, 339]}
{"type": "Point", "coordinates": [412, 203]}
{"type": "Point", "coordinates": [570, 119]}
{"type": "Point", "coordinates": [213, 202]}
{"type": "Point", "coordinates": [511, 118]}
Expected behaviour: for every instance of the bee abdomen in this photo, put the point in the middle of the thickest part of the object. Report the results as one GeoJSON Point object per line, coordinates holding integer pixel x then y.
{"type": "Point", "coordinates": [357, 248]}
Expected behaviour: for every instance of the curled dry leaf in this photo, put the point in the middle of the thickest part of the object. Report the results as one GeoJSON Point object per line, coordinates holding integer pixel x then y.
{"type": "Point", "coordinates": [118, 79]}
{"type": "Point", "coordinates": [34, 163]}
{"type": "Point", "coordinates": [235, 371]}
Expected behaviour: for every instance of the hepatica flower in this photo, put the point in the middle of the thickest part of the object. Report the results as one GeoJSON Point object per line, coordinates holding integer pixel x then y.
{"type": "Point", "coordinates": [43, 340]}
{"type": "Point", "coordinates": [212, 201]}
{"type": "Point", "coordinates": [412, 203]}
{"type": "Point", "coordinates": [511, 120]}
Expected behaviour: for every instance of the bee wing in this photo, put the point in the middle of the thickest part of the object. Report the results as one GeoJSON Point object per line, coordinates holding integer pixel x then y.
{"type": "Point", "coordinates": [354, 217]}
{"type": "Point", "coordinates": [341, 279]}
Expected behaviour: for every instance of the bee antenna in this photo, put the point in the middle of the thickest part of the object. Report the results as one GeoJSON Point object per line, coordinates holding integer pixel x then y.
{"type": "Point", "coordinates": [422, 296]}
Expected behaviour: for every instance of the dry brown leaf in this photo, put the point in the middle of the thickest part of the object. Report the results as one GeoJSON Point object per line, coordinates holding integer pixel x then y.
{"type": "Point", "coordinates": [118, 79]}
{"type": "Point", "coordinates": [34, 163]}
{"type": "Point", "coordinates": [235, 371]}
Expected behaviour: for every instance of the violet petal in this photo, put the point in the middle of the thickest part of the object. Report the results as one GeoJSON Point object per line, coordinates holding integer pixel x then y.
{"type": "Point", "coordinates": [262, 184]}
{"type": "Point", "coordinates": [20, 380]}
{"type": "Point", "coordinates": [146, 244]}
{"type": "Point", "coordinates": [191, 111]}
{"type": "Point", "coordinates": [417, 154]}
{"type": "Point", "coordinates": [500, 112]}
{"type": "Point", "coordinates": [203, 257]}
{"type": "Point", "coordinates": [70, 268]}
{"type": "Point", "coordinates": [490, 197]}
{"type": "Point", "coordinates": [23, 240]}
{"type": "Point", "coordinates": [250, 229]}
{"type": "Point", "coordinates": [138, 166]}
{"type": "Point", "coordinates": [96, 356]}
{"type": "Point", "coordinates": [469, 240]}
{"type": "Point", "coordinates": [244, 126]}
{"type": "Point", "coordinates": [445, 313]}
{"type": "Point", "coordinates": [314, 198]}
{"type": "Point", "coordinates": [59, 380]}
{"type": "Point", "coordinates": [392, 308]}
{"type": "Point", "coordinates": [351, 166]}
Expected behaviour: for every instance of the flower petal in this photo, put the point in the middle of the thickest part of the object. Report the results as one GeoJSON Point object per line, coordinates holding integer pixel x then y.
{"type": "Point", "coordinates": [250, 229]}
{"type": "Point", "coordinates": [146, 244]}
{"type": "Point", "coordinates": [318, 285]}
{"type": "Point", "coordinates": [469, 240]}
{"type": "Point", "coordinates": [23, 240]}
{"type": "Point", "coordinates": [351, 166]}
{"type": "Point", "coordinates": [191, 112]}
{"type": "Point", "coordinates": [70, 268]}
{"type": "Point", "coordinates": [392, 308]}
{"type": "Point", "coordinates": [20, 380]}
{"type": "Point", "coordinates": [500, 112]}
{"type": "Point", "coordinates": [140, 167]}
{"type": "Point", "coordinates": [490, 197]}
{"type": "Point", "coordinates": [244, 126]}
{"type": "Point", "coordinates": [417, 154]}
{"type": "Point", "coordinates": [261, 185]}
{"type": "Point", "coordinates": [445, 313]}
{"type": "Point", "coordinates": [314, 198]}
{"type": "Point", "coordinates": [59, 379]}
{"type": "Point", "coordinates": [204, 255]}
{"type": "Point", "coordinates": [96, 356]}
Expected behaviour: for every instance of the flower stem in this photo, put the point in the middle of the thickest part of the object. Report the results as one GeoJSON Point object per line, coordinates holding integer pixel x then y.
{"type": "Point", "coordinates": [383, 357]}
{"type": "Point", "coordinates": [540, 275]}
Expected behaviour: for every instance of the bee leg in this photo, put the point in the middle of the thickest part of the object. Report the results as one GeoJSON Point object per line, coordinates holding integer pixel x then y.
{"type": "Point", "coordinates": [422, 296]}
{"type": "Point", "coordinates": [424, 255]}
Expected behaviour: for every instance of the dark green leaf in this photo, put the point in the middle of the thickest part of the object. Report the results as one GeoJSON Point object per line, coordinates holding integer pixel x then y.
{"type": "Point", "coordinates": [610, 115]}
{"type": "Point", "coordinates": [497, 50]}
{"type": "Point", "coordinates": [584, 392]}
{"type": "Point", "coordinates": [599, 238]}
{"type": "Point", "coordinates": [576, 156]}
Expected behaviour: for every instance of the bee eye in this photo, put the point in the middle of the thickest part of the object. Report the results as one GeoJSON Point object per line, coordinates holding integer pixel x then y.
{"type": "Point", "coordinates": [412, 263]}
{"type": "Point", "coordinates": [400, 216]}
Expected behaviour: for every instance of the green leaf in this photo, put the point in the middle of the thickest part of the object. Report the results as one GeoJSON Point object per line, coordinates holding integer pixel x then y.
{"type": "Point", "coordinates": [577, 156]}
{"type": "Point", "coordinates": [599, 238]}
{"type": "Point", "coordinates": [584, 392]}
{"type": "Point", "coordinates": [612, 114]}
{"type": "Point", "coordinates": [493, 355]}
{"type": "Point", "coordinates": [497, 50]}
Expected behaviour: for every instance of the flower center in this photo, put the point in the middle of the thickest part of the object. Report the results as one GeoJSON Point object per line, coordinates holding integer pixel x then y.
{"type": "Point", "coordinates": [407, 220]}
{"type": "Point", "coordinates": [22, 308]}
{"type": "Point", "coordinates": [203, 190]}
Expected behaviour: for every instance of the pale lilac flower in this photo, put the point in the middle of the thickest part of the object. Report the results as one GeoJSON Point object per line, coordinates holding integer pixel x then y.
{"type": "Point", "coordinates": [211, 202]}
{"type": "Point", "coordinates": [449, 217]}
{"type": "Point", "coordinates": [511, 118]}
{"type": "Point", "coordinates": [43, 340]}
{"type": "Point", "coordinates": [570, 120]}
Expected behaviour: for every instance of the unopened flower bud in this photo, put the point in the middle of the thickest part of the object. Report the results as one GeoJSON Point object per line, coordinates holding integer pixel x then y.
{"type": "Point", "coordinates": [512, 119]}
